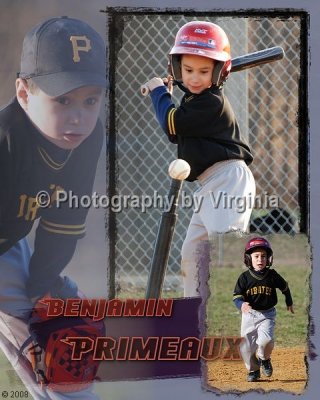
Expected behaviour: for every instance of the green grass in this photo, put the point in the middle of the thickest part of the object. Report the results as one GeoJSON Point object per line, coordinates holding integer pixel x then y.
{"type": "Point", "coordinates": [9, 380]}
{"type": "Point", "coordinates": [223, 318]}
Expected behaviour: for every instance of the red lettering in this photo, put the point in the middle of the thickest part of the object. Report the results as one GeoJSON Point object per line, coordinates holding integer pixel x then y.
{"type": "Point", "coordinates": [211, 348]}
{"type": "Point", "coordinates": [190, 349]}
{"type": "Point", "coordinates": [164, 308]}
{"type": "Point", "coordinates": [55, 307]}
{"type": "Point", "coordinates": [72, 307]}
{"type": "Point", "coordinates": [143, 349]}
{"type": "Point", "coordinates": [169, 348]}
{"type": "Point", "coordinates": [80, 345]}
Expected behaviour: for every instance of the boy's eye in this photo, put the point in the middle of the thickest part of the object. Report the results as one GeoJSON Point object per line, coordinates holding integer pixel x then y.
{"type": "Point", "coordinates": [63, 100]}
{"type": "Point", "coordinates": [91, 101]}
{"type": "Point", "coordinates": [259, 256]}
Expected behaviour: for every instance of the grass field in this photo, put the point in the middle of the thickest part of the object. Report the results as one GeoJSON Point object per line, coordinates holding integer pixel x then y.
{"type": "Point", "coordinates": [291, 260]}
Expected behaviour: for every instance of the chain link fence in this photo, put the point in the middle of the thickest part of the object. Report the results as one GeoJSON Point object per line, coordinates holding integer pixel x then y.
{"type": "Point", "coordinates": [266, 102]}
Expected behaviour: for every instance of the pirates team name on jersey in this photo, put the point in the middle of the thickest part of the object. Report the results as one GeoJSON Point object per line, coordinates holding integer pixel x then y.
{"type": "Point", "coordinates": [29, 206]}
{"type": "Point", "coordinates": [259, 290]}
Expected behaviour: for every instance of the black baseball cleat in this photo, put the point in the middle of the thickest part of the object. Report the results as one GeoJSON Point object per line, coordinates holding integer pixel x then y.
{"type": "Point", "coordinates": [253, 376]}
{"type": "Point", "coordinates": [266, 367]}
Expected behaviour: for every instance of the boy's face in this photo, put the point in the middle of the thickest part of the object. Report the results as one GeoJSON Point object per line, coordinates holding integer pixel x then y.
{"type": "Point", "coordinates": [259, 259]}
{"type": "Point", "coordinates": [66, 120]}
{"type": "Point", "coordinates": [196, 72]}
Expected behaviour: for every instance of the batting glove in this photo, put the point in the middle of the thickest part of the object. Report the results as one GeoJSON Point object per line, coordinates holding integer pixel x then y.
{"type": "Point", "coordinates": [154, 83]}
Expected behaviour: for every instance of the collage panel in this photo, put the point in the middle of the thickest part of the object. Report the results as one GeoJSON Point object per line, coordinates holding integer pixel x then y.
{"type": "Point", "coordinates": [266, 100]}
{"type": "Point", "coordinates": [274, 331]}
{"type": "Point", "coordinates": [53, 243]}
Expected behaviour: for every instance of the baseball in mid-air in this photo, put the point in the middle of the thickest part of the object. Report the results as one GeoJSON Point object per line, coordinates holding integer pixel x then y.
{"type": "Point", "coordinates": [179, 169]}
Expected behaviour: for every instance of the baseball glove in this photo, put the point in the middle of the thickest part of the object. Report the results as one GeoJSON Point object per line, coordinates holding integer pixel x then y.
{"type": "Point", "coordinates": [51, 357]}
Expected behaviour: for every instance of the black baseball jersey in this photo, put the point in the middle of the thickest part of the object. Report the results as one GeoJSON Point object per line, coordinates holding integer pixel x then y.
{"type": "Point", "coordinates": [259, 289]}
{"type": "Point", "coordinates": [204, 127]}
{"type": "Point", "coordinates": [30, 164]}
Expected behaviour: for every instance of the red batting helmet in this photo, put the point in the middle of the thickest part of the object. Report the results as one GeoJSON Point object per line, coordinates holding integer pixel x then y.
{"type": "Point", "coordinates": [255, 243]}
{"type": "Point", "coordinates": [204, 39]}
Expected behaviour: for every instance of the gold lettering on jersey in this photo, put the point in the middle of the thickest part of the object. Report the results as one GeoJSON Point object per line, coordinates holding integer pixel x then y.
{"type": "Point", "coordinates": [22, 204]}
{"type": "Point", "coordinates": [56, 190]}
{"type": "Point", "coordinates": [259, 290]}
{"type": "Point", "coordinates": [79, 43]}
{"type": "Point", "coordinates": [32, 209]}
{"type": "Point", "coordinates": [28, 207]}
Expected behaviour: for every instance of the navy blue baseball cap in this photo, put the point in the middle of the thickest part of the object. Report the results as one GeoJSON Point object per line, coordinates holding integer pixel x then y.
{"type": "Point", "coordinates": [62, 54]}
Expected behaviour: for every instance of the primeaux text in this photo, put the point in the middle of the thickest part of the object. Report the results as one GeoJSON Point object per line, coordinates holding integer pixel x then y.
{"type": "Point", "coordinates": [98, 309]}
{"type": "Point", "coordinates": [107, 348]}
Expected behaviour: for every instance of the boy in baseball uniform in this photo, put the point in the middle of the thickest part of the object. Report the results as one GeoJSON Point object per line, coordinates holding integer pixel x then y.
{"type": "Point", "coordinates": [208, 137]}
{"type": "Point", "coordinates": [256, 296]}
{"type": "Point", "coordinates": [51, 138]}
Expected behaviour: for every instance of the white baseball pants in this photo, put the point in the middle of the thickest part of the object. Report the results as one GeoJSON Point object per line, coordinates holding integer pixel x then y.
{"type": "Point", "coordinates": [226, 198]}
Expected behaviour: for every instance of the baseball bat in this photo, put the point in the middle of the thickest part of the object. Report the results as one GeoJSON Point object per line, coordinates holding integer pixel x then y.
{"type": "Point", "coordinates": [251, 60]}
{"type": "Point", "coordinates": [163, 242]}
{"type": "Point", "coordinates": [246, 61]}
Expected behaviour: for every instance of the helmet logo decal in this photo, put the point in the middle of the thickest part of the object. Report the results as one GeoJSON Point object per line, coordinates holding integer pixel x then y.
{"type": "Point", "coordinates": [203, 31]}
{"type": "Point", "coordinates": [258, 242]}
{"type": "Point", "coordinates": [211, 44]}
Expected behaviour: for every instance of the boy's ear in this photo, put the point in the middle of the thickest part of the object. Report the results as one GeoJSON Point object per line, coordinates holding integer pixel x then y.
{"type": "Point", "coordinates": [22, 92]}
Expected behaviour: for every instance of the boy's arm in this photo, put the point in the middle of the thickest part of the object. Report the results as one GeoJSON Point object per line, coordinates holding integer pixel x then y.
{"type": "Point", "coordinates": [198, 115]}
{"type": "Point", "coordinates": [163, 105]}
{"type": "Point", "coordinates": [241, 304]}
{"type": "Point", "coordinates": [238, 301]}
{"type": "Point", "coordinates": [238, 297]}
{"type": "Point", "coordinates": [288, 299]}
{"type": "Point", "coordinates": [60, 227]}
{"type": "Point", "coordinates": [290, 308]}
{"type": "Point", "coordinates": [282, 284]}
{"type": "Point", "coordinates": [52, 252]}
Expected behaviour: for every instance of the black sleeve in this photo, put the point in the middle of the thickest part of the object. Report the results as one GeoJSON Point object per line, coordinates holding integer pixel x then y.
{"type": "Point", "coordinates": [197, 116]}
{"type": "Point", "coordinates": [239, 290]}
{"type": "Point", "coordinates": [288, 297]}
{"type": "Point", "coordinates": [52, 253]}
{"type": "Point", "coordinates": [7, 172]}
{"type": "Point", "coordinates": [282, 284]}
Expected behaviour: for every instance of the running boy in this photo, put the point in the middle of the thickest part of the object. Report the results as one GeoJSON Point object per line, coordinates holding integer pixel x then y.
{"type": "Point", "coordinates": [51, 139]}
{"type": "Point", "coordinates": [207, 134]}
{"type": "Point", "coordinates": [255, 295]}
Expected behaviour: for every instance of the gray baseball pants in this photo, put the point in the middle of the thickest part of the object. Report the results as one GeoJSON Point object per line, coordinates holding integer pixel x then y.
{"type": "Point", "coordinates": [257, 332]}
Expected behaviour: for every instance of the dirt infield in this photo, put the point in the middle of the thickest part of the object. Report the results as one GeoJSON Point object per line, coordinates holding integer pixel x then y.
{"type": "Point", "coordinates": [289, 374]}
